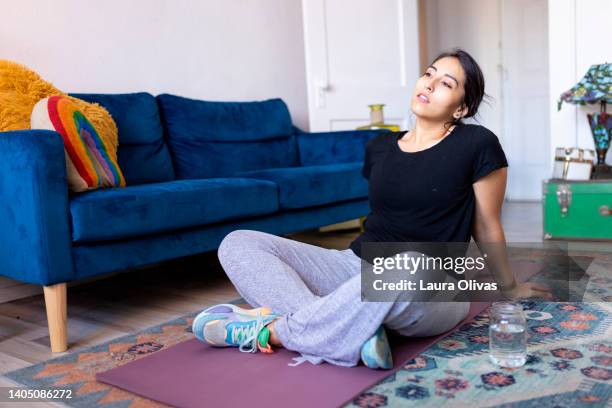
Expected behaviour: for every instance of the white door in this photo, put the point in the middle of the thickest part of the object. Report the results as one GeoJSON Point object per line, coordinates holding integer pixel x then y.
{"type": "Point", "coordinates": [525, 96]}
{"type": "Point", "coordinates": [360, 52]}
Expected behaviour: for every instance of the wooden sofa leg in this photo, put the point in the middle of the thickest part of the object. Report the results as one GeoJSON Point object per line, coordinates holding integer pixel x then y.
{"type": "Point", "coordinates": [57, 314]}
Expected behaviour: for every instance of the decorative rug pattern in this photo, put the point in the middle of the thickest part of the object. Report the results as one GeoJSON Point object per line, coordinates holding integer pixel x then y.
{"type": "Point", "coordinates": [77, 371]}
{"type": "Point", "coordinates": [569, 362]}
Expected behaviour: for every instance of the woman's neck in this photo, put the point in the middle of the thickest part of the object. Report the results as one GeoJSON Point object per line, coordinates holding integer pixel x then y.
{"type": "Point", "coordinates": [424, 131]}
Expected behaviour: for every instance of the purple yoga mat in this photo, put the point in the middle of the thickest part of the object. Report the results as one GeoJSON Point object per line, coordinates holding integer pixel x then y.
{"type": "Point", "coordinates": [193, 374]}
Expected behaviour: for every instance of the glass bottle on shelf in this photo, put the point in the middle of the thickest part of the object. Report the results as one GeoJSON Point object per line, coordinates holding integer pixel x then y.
{"type": "Point", "coordinates": [377, 120]}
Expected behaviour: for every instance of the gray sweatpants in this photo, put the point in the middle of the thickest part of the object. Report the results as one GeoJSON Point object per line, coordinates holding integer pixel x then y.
{"type": "Point", "coordinates": [318, 292]}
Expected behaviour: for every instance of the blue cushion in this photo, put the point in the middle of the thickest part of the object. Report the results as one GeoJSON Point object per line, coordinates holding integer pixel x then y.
{"type": "Point", "coordinates": [306, 186]}
{"type": "Point", "coordinates": [104, 257]}
{"type": "Point", "coordinates": [218, 139]}
{"type": "Point", "coordinates": [333, 147]}
{"type": "Point", "coordinates": [116, 213]}
{"type": "Point", "coordinates": [143, 155]}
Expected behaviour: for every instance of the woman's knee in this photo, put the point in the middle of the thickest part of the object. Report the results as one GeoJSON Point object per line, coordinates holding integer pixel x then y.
{"type": "Point", "coordinates": [238, 244]}
{"type": "Point", "coordinates": [232, 243]}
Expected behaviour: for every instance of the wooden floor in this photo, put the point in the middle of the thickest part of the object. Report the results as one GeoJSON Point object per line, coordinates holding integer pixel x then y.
{"type": "Point", "coordinates": [124, 303]}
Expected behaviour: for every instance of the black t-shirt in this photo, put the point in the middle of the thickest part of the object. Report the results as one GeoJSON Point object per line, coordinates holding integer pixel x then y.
{"type": "Point", "coordinates": [426, 196]}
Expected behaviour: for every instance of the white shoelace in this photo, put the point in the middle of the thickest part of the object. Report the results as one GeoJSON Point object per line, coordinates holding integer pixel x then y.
{"type": "Point", "coordinates": [251, 335]}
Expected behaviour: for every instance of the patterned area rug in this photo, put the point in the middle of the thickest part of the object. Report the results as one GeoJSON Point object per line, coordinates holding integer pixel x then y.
{"type": "Point", "coordinates": [77, 371]}
{"type": "Point", "coordinates": [569, 363]}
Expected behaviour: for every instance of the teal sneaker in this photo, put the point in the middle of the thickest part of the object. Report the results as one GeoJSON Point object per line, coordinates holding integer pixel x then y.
{"type": "Point", "coordinates": [376, 352]}
{"type": "Point", "coordinates": [228, 325]}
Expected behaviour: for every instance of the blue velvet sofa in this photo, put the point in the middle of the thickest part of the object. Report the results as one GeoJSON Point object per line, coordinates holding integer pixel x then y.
{"type": "Point", "coordinates": [195, 171]}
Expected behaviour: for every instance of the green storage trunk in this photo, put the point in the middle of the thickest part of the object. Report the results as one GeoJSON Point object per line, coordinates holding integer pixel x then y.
{"type": "Point", "coordinates": [577, 209]}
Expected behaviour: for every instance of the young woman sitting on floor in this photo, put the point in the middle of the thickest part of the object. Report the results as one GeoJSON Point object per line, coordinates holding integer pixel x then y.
{"type": "Point", "coordinates": [442, 181]}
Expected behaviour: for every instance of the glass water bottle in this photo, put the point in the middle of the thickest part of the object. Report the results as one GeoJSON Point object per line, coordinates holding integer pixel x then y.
{"type": "Point", "coordinates": [507, 334]}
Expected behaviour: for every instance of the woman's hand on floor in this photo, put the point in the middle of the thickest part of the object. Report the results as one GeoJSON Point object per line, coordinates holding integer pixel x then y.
{"type": "Point", "coordinates": [527, 290]}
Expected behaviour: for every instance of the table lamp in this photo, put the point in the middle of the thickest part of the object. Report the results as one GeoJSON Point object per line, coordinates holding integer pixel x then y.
{"type": "Point", "coordinates": [594, 87]}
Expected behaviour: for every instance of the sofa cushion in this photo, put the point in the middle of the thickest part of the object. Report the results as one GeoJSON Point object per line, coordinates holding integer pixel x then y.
{"type": "Point", "coordinates": [339, 146]}
{"type": "Point", "coordinates": [118, 213]}
{"type": "Point", "coordinates": [308, 186]}
{"type": "Point", "coordinates": [143, 155]}
{"type": "Point", "coordinates": [218, 139]}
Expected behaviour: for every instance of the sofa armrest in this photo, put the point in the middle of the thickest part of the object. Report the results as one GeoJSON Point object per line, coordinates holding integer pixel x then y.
{"type": "Point", "coordinates": [344, 146]}
{"type": "Point", "coordinates": [35, 244]}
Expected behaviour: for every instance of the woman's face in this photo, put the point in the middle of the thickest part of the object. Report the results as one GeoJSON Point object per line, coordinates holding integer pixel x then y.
{"type": "Point", "coordinates": [442, 84]}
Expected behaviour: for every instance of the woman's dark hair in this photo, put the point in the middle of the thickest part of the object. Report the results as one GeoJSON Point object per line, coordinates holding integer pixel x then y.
{"type": "Point", "coordinates": [474, 82]}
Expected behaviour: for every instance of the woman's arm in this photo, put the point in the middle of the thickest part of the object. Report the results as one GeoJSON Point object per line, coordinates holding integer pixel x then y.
{"type": "Point", "coordinates": [488, 233]}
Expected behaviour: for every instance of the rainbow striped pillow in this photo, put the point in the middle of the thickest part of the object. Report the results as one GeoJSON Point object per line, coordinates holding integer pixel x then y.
{"type": "Point", "coordinates": [88, 162]}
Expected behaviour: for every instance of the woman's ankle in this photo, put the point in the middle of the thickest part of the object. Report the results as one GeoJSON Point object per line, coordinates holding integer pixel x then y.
{"type": "Point", "coordinates": [274, 340]}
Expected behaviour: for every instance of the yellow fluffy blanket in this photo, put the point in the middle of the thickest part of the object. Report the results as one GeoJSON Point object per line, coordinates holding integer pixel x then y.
{"type": "Point", "coordinates": [21, 88]}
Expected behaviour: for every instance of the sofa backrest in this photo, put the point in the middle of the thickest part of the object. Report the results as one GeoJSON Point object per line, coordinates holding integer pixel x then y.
{"type": "Point", "coordinates": [217, 139]}
{"type": "Point", "coordinates": [143, 155]}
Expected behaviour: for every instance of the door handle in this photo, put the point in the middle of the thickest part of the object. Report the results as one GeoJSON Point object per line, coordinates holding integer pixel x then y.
{"type": "Point", "coordinates": [321, 87]}
{"type": "Point", "coordinates": [323, 84]}
{"type": "Point", "coordinates": [605, 211]}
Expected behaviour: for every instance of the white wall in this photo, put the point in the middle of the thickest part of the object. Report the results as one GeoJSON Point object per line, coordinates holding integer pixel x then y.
{"type": "Point", "coordinates": [206, 49]}
{"type": "Point", "coordinates": [471, 25]}
{"type": "Point", "coordinates": [579, 36]}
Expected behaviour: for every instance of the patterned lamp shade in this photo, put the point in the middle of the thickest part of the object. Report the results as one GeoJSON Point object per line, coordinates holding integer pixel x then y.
{"type": "Point", "coordinates": [595, 86]}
